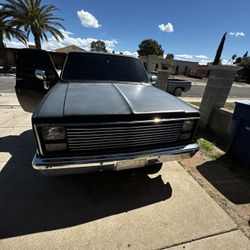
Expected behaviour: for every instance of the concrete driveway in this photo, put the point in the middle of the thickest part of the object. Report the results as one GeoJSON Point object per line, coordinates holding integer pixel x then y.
{"type": "Point", "coordinates": [103, 210]}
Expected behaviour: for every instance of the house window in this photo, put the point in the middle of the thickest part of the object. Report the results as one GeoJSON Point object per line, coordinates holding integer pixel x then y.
{"type": "Point", "coordinates": [164, 66]}
{"type": "Point", "coordinates": [156, 66]}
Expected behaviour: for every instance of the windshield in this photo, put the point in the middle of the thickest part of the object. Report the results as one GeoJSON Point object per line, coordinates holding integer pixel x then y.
{"type": "Point", "coordinates": [103, 67]}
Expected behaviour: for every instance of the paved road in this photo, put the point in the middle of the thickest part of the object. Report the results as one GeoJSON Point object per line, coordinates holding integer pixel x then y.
{"type": "Point", "coordinates": [7, 86]}
{"type": "Point", "coordinates": [197, 91]}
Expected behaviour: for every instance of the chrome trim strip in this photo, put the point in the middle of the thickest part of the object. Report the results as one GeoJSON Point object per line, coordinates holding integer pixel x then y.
{"type": "Point", "coordinates": [116, 136]}
{"type": "Point", "coordinates": [155, 127]}
{"type": "Point", "coordinates": [38, 140]}
{"type": "Point", "coordinates": [120, 122]}
{"type": "Point", "coordinates": [82, 162]}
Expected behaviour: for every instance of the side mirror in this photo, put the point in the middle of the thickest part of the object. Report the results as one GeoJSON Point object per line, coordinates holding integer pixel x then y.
{"type": "Point", "coordinates": [153, 79]}
{"type": "Point", "coordinates": [41, 75]}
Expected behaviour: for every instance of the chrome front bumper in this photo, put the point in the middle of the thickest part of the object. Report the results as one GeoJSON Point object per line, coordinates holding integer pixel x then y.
{"type": "Point", "coordinates": [84, 164]}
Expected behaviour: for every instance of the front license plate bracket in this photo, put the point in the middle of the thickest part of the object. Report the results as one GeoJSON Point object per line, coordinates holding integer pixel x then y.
{"type": "Point", "coordinates": [129, 164]}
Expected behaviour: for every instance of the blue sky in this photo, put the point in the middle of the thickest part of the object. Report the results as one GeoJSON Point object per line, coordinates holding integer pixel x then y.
{"type": "Point", "coordinates": [194, 27]}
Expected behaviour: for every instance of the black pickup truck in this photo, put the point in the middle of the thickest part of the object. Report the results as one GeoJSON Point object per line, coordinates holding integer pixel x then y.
{"type": "Point", "coordinates": [177, 86]}
{"type": "Point", "coordinates": [174, 86]}
{"type": "Point", "coordinates": [101, 113]}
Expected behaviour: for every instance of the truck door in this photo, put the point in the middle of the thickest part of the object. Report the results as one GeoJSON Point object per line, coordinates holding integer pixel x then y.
{"type": "Point", "coordinates": [35, 75]}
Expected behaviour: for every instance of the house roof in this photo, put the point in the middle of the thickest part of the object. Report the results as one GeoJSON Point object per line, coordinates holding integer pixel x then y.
{"type": "Point", "coordinates": [69, 49]}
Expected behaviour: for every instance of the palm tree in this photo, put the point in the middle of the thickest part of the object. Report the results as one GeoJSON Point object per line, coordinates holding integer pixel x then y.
{"type": "Point", "coordinates": [219, 50]}
{"type": "Point", "coordinates": [8, 30]}
{"type": "Point", "coordinates": [35, 18]}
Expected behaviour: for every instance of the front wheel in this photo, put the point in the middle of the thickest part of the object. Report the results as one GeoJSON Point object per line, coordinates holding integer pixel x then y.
{"type": "Point", "coordinates": [178, 92]}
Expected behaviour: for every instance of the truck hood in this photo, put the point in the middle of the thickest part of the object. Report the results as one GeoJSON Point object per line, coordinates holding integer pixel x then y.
{"type": "Point", "coordinates": [77, 99]}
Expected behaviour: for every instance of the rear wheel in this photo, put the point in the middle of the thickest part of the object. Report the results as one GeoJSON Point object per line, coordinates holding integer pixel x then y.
{"type": "Point", "coordinates": [178, 92]}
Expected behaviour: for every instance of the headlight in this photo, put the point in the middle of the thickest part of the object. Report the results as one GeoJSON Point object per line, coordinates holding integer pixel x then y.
{"type": "Point", "coordinates": [50, 133]}
{"type": "Point", "coordinates": [187, 126]}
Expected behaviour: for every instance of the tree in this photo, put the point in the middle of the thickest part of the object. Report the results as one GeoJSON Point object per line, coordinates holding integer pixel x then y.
{"type": "Point", "coordinates": [234, 56]}
{"type": "Point", "coordinates": [8, 31]}
{"type": "Point", "coordinates": [245, 55]}
{"type": "Point", "coordinates": [170, 56]}
{"type": "Point", "coordinates": [34, 18]}
{"type": "Point", "coordinates": [219, 50]}
{"type": "Point", "coordinates": [238, 60]}
{"type": "Point", "coordinates": [98, 46]}
{"type": "Point", "coordinates": [244, 62]}
{"type": "Point", "coordinates": [150, 47]}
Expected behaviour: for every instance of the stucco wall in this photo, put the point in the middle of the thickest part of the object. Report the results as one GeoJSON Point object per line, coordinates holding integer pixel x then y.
{"type": "Point", "coordinates": [186, 67]}
{"type": "Point", "coordinates": [154, 63]}
{"type": "Point", "coordinates": [220, 123]}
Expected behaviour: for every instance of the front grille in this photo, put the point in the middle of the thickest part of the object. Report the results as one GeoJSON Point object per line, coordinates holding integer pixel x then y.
{"type": "Point", "coordinates": [123, 137]}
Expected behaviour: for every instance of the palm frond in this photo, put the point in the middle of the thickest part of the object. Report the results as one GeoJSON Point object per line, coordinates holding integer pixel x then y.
{"type": "Point", "coordinates": [35, 18]}
{"type": "Point", "coordinates": [8, 29]}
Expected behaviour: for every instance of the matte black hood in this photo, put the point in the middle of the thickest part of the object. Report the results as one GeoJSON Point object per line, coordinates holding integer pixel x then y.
{"type": "Point", "coordinates": [107, 99]}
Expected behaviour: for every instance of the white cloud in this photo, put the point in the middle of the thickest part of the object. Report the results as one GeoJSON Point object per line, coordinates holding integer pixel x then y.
{"type": "Point", "coordinates": [183, 57]}
{"type": "Point", "coordinates": [226, 62]}
{"type": "Point", "coordinates": [237, 34]}
{"type": "Point", "coordinates": [15, 44]}
{"type": "Point", "coordinates": [204, 62]}
{"type": "Point", "coordinates": [83, 43]}
{"type": "Point", "coordinates": [129, 53]}
{"type": "Point", "coordinates": [87, 19]}
{"type": "Point", "coordinates": [52, 44]}
{"type": "Point", "coordinates": [201, 56]}
{"type": "Point", "coordinates": [202, 59]}
{"type": "Point", "coordinates": [166, 27]}
{"type": "Point", "coordinates": [66, 32]}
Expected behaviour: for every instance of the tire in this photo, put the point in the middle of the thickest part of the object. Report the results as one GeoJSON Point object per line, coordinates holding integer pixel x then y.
{"type": "Point", "coordinates": [178, 92]}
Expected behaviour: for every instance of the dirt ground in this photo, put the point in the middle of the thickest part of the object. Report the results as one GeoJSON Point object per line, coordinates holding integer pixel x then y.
{"type": "Point", "coordinates": [230, 190]}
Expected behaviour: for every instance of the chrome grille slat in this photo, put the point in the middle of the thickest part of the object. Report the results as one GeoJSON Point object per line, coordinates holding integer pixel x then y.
{"type": "Point", "coordinates": [108, 129]}
{"type": "Point", "coordinates": [97, 136]}
{"type": "Point", "coordinates": [122, 133]}
{"type": "Point", "coordinates": [121, 141]}
{"type": "Point", "coordinates": [86, 148]}
{"type": "Point", "coordinates": [108, 138]}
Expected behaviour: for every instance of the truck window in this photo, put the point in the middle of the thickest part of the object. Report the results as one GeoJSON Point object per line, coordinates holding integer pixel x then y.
{"type": "Point", "coordinates": [103, 67]}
